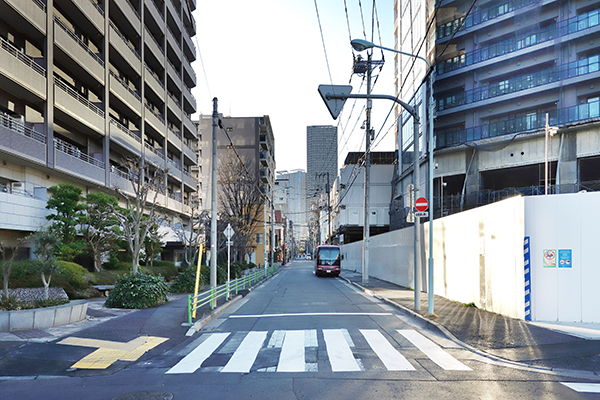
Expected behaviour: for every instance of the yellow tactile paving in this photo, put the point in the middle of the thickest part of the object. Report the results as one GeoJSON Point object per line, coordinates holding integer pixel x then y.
{"type": "Point", "coordinates": [108, 352]}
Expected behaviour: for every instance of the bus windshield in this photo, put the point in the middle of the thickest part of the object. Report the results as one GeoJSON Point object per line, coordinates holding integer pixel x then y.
{"type": "Point", "coordinates": [328, 256]}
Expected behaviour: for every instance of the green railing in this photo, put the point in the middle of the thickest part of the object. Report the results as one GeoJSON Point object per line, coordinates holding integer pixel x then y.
{"type": "Point", "coordinates": [211, 295]}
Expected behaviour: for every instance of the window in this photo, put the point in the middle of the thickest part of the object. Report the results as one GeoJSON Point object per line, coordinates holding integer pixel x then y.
{"type": "Point", "coordinates": [594, 104]}
{"type": "Point", "coordinates": [259, 238]}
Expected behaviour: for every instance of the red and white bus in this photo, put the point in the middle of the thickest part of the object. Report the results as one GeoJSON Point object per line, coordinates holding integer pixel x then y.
{"type": "Point", "coordinates": [328, 260]}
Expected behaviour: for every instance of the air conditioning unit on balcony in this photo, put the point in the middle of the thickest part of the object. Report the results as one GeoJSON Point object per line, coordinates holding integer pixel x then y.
{"type": "Point", "coordinates": [17, 185]}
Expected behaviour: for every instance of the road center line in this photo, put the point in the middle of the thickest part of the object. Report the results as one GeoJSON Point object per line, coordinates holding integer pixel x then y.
{"type": "Point", "coordinates": [309, 315]}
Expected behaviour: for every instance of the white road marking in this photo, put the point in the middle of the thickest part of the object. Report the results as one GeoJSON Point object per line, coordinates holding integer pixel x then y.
{"type": "Point", "coordinates": [433, 351]}
{"type": "Point", "coordinates": [244, 356]}
{"type": "Point", "coordinates": [583, 387]}
{"type": "Point", "coordinates": [310, 339]}
{"type": "Point", "coordinates": [292, 358]}
{"type": "Point", "coordinates": [391, 358]}
{"type": "Point", "coordinates": [308, 315]}
{"type": "Point", "coordinates": [194, 360]}
{"type": "Point", "coordinates": [340, 355]}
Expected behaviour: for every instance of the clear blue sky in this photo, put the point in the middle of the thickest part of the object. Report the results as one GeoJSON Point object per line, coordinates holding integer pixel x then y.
{"type": "Point", "coordinates": [266, 57]}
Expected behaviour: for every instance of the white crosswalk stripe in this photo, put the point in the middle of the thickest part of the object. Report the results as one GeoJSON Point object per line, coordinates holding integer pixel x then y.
{"type": "Point", "coordinates": [296, 351]}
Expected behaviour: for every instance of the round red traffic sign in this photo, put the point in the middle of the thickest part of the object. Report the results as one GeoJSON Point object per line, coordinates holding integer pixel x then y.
{"type": "Point", "coordinates": [421, 204]}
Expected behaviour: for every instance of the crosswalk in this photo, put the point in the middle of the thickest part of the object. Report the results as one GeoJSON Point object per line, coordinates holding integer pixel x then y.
{"type": "Point", "coordinates": [298, 351]}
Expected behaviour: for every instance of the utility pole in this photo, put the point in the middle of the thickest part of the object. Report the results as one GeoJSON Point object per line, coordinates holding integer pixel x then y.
{"type": "Point", "coordinates": [367, 219]}
{"type": "Point", "coordinates": [213, 205]}
{"type": "Point", "coordinates": [417, 230]}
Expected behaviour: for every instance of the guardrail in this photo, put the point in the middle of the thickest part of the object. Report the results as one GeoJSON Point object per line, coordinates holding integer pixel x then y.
{"type": "Point", "coordinates": [211, 295]}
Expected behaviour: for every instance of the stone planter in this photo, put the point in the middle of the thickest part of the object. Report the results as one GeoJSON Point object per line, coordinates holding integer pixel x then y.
{"type": "Point", "coordinates": [41, 318]}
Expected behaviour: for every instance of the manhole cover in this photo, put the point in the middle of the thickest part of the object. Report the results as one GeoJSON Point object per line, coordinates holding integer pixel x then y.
{"type": "Point", "coordinates": [145, 395]}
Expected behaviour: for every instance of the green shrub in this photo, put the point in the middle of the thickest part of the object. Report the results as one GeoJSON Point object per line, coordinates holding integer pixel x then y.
{"type": "Point", "coordinates": [137, 291]}
{"type": "Point", "coordinates": [12, 303]}
{"type": "Point", "coordinates": [185, 281]}
{"type": "Point", "coordinates": [73, 273]}
{"type": "Point", "coordinates": [168, 272]}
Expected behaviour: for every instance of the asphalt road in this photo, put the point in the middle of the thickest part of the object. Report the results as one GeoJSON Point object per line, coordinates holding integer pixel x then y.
{"type": "Point", "coordinates": [294, 337]}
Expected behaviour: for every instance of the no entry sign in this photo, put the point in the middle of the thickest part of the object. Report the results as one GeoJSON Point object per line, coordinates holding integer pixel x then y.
{"type": "Point", "coordinates": [421, 204]}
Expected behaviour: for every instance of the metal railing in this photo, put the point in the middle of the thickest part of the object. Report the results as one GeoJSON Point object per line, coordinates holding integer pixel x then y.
{"type": "Point", "coordinates": [124, 39]}
{"type": "Point", "coordinates": [155, 113]}
{"type": "Point", "coordinates": [125, 130]}
{"type": "Point", "coordinates": [174, 132]}
{"type": "Point", "coordinates": [74, 151]}
{"type": "Point", "coordinates": [558, 29]}
{"type": "Point", "coordinates": [19, 55]}
{"type": "Point", "coordinates": [125, 85]}
{"type": "Point", "coordinates": [40, 4]}
{"type": "Point", "coordinates": [154, 150]}
{"type": "Point", "coordinates": [133, 8]}
{"type": "Point", "coordinates": [177, 71]}
{"type": "Point", "coordinates": [97, 7]}
{"type": "Point", "coordinates": [18, 127]}
{"type": "Point", "coordinates": [210, 296]}
{"type": "Point", "coordinates": [155, 75]}
{"type": "Point", "coordinates": [148, 33]}
{"type": "Point", "coordinates": [80, 42]}
{"type": "Point", "coordinates": [74, 94]}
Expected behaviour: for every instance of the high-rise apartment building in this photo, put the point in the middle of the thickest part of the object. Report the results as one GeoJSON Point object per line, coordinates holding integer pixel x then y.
{"type": "Point", "coordinates": [85, 83]}
{"type": "Point", "coordinates": [501, 67]}
{"type": "Point", "coordinates": [293, 205]}
{"type": "Point", "coordinates": [251, 139]}
{"type": "Point", "coordinates": [321, 158]}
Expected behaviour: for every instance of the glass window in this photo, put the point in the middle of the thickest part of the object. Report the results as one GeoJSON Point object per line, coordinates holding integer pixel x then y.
{"type": "Point", "coordinates": [594, 104]}
{"type": "Point", "coordinates": [328, 256]}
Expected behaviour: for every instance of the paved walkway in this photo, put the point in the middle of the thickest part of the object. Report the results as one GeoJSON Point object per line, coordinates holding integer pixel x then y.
{"type": "Point", "coordinates": [547, 345]}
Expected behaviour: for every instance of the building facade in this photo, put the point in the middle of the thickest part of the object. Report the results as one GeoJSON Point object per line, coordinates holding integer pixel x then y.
{"type": "Point", "coordinates": [294, 207]}
{"type": "Point", "coordinates": [250, 138]}
{"type": "Point", "coordinates": [505, 71]}
{"type": "Point", "coordinates": [321, 158]}
{"type": "Point", "coordinates": [85, 84]}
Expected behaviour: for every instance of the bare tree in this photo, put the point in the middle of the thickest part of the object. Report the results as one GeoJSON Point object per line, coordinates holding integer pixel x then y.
{"type": "Point", "coordinates": [140, 212]}
{"type": "Point", "coordinates": [240, 202]}
{"type": "Point", "coordinates": [190, 234]}
{"type": "Point", "coordinates": [7, 259]}
{"type": "Point", "coordinates": [99, 224]}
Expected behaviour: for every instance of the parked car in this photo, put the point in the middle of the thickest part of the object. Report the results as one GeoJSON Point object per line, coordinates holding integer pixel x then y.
{"type": "Point", "coordinates": [328, 260]}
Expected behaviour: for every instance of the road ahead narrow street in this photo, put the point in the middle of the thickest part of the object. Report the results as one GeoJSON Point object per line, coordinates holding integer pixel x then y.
{"type": "Point", "coordinates": [298, 336]}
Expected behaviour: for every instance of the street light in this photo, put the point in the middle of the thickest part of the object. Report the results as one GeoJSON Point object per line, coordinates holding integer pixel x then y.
{"type": "Point", "coordinates": [265, 222]}
{"type": "Point", "coordinates": [360, 45]}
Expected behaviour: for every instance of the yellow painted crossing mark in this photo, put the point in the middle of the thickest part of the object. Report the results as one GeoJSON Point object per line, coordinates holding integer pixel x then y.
{"type": "Point", "coordinates": [109, 352]}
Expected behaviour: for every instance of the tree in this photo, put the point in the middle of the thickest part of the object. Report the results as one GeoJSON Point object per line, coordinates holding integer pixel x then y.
{"type": "Point", "coordinates": [46, 245]}
{"type": "Point", "coordinates": [99, 225]}
{"type": "Point", "coordinates": [139, 215]}
{"type": "Point", "coordinates": [190, 235]}
{"type": "Point", "coordinates": [152, 244]}
{"type": "Point", "coordinates": [241, 202]}
{"type": "Point", "coordinates": [66, 202]}
{"type": "Point", "coordinates": [8, 255]}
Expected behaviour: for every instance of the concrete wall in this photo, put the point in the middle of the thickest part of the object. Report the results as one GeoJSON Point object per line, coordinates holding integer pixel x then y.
{"type": "Point", "coordinates": [41, 318]}
{"type": "Point", "coordinates": [569, 291]}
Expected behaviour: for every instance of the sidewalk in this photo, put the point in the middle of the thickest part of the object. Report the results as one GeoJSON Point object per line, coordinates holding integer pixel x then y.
{"type": "Point", "coordinates": [546, 345]}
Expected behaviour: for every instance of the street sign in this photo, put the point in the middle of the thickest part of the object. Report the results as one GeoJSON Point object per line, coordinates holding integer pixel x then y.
{"type": "Point", "coordinates": [421, 204]}
{"type": "Point", "coordinates": [334, 105]}
{"type": "Point", "coordinates": [228, 232]}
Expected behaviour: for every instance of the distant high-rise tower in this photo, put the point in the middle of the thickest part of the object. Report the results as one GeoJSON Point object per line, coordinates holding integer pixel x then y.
{"type": "Point", "coordinates": [321, 158]}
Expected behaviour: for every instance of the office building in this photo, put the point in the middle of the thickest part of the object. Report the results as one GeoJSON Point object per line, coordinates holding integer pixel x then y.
{"type": "Point", "coordinates": [321, 158]}
{"type": "Point", "coordinates": [85, 84]}
{"type": "Point", "coordinates": [501, 68]}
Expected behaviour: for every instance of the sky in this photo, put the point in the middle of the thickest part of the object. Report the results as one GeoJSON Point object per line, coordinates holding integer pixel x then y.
{"type": "Point", "coordinates": [267, 57]}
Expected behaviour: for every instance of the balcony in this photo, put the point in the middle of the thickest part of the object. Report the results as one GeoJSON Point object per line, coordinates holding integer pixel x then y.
{"type": "Point", "coordinates": [155, 47]}
{"type": "Point", "coordinates": [189, 152]}
{"type": "Point", "coordinates": [125, 49]}
{"type": "Point", "coordinates": [125, 93]}
{"type": "Point", "coordinates": [125, 137]}
{"type": "Point", "coordinates": [20, 74]}
{"type": "Point", "coordinates": [189, 180]}
{"type": "Point", "coordinates": [79, 51]}
{"type": "Point", "coordinates": [132, 15]}
{"type": "Point", "coordinates": [189, 75]}
{"type": "Point", "coordinates": [189, 125]}
{"type": "Point", "coordinates": [33, 11]}
{"type": "Point", "coordinates": [155, 12]}
{"type": "Point", "coordinates": [79, 109]}
{"type": "Point", "coordinates": [20, 139]}
{"type": "Point", "coordinates": [175, 74]}
{"type": "Point", "coordinates": [73, 161]}
{"type": "Point", "coordinates": [155, 156]}
{"type": "Point", "coordinates": [174, 105]}
{"type": "Point", "coordinates": [188, 47]}
{"type": "Point", "coordinates": [526, 42]}
{"type": "Point", "coordinates": [155, 119]}
{"type": "Point", "coordinates": [93, 12]}
{"type": "Point", "coordinates": [172, 40]}
{"type": "Point", "coordinates": [155, 84]}
{"type": "Point", "coordinates": [189, 101]}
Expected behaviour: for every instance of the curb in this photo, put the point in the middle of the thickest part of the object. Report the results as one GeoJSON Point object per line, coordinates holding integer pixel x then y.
{"type": "Point", "coordinates": [196, 326]}
{"type": "Point", "coordinates": [441, 329]}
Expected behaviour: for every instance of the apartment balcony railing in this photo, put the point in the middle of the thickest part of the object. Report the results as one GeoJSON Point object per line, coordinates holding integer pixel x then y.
{"type": "Point", "coordinates": [156, 113]}
{"type": "Point", "coordinates": [125, 85]}
{"type": "Point", "coordinates": [125, 130]}
{"type": "Point", "coordinates": [151, 36]}
{"type": "Point", "coordinates": [22, 57]}
{"type": "Point", "coordinates": [154, 150]}
{"type": "Point", "coordinates": [98, 7]}
{"type": "Point", "coordinates": [561, 28]}
{"type": "Point", "coordinates": [18, 127]}
{"type": "Point", "coordinates": [74, 151]}
{"type": "Point", "coordinates": [481, 16]}
{"type": "Point", "coordinates": [40, 4]}
{"type": "Point", "coordinates": [66, 88]}
{"type": "Point", "coordinates": [175, 100]}
{"type": "Point", "coordinates": [174, 164]}
{"type": "Point", "coordinates": [570, 70]}
{"type": "Point", "coordinates": [124, 39]}
{"type": "Point", "coordinates": [177, 71]}
{"type": "Point", "coordinates": [82, 44]}
{"type": "Point", "coordinates": [176, 133]}
{"type": "Point", "coordinates": [136, 12]}
{"type": "Point", "coordinates": [561, 117]}
{"type": "Point", "coordinates": [154, 74]}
